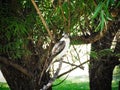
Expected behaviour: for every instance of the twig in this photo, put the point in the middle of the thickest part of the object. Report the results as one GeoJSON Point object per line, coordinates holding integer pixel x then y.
{"type": "Point", "coordinates": [72, 69]}
{"type": "Point", "coordinates": [43, 21]}
{"type": "Point", "coordinates": [16, 66]}
{"type": "Point", "coordinates": [44, 68]}
{"type": "Point", "coordinates": [77, 54]}
{"type": "Point", "coordinates": [45, 87]}
{"type": "Point", "coordinates": [69, 17]}
{"type": "Point", "coordinates": [47, 61]}
{"type": "Point", "coordinates": [95, 3]}
{"type": "Point", "coordinates": [46, 64]}
{"type": "Point", "coordinates": [62, 11]}
{"type": "Point", "coordinates": [73, 64]}
{"type": "Point", "coordinates": [61, 81]}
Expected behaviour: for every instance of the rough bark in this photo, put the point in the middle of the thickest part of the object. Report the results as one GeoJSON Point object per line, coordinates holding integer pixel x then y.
{"type": "Point", "coordinates": [17, 80]}
{"type": "Point", "coordinates": [26, 73]}
{"type": "Point", "coordinates": [101, 70]}
{"type": "Point", "coordinates": [101, 74]}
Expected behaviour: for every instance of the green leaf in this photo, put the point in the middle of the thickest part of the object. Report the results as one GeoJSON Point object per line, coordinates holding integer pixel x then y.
{"type": "Point", "coordinates": [105, 52]}
{"type": "Point", "coordinates": [57, 11]}
{"type": "Point", "coordinates": [94, 54]}
{"type": "Point", "coordinates": [102, 20]}
{"type": "Point", "coordinates": [107, 14]}
{"type": "Point", "coordinates": [97, 10]}
{"type": "Point", "coordinates": [118, 55]}
{"type": "Point", "coordinates": [97, 28]}
{"type": "Point", "coordinates": [108, 1]}
{"type": "Point", "coordinates": [65, 8]}
{"type": "Point", "coordinates": [118, 4]}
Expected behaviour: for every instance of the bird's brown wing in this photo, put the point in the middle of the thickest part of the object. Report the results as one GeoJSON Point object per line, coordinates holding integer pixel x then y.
{"type": "Point", "coordinates": [58, 48]}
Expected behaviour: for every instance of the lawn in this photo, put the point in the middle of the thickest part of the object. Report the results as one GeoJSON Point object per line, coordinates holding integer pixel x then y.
{"type": "Point", "coordinates": [70, 85]}
{"type": "Point", "coordinates": [4, 86]}
{"type": "Point", "coordinates": [66, 85]}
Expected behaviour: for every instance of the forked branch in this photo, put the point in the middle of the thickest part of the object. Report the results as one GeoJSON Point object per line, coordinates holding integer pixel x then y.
{"type": "Point", "coordinates": [42, 19]}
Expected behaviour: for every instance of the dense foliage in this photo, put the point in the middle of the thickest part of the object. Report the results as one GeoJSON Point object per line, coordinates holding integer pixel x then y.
{"type": "Point", "coordinates": [20, 22]}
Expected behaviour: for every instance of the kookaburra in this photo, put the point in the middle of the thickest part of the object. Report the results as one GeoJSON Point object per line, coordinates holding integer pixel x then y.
{"type": "Point", "coordinates": [60, 49]}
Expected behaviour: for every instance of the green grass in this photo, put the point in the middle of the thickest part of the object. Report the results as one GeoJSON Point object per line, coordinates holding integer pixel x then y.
{"type": "Point", "coordinates": [69, 85]}
{"type": "Point", "coordinates": [66, 85]}
{"type": "Point", "coordinates": [115, 85]}
{"type": "Point", "coordinates": [4, 86]}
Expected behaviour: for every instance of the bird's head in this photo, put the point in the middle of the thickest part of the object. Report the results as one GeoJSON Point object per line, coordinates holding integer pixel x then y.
{"type": "Point", "coordinates": [65, 38]}
{"type": "Point", "coordinates": [65, 35]}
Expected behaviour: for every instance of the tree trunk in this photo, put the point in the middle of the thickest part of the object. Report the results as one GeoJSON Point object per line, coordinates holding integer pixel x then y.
{"type": "Point", "coordinates": [18, 81]}
{"type": "Point", "coordinates": [16, 71]}
{"type": "Point", "coordinates": [100, 73]}
{"type": "Point", "coordinates": [101, 70]}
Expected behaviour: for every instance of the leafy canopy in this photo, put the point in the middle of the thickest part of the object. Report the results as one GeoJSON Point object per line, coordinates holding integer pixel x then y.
{"type": "Point", "coordinates": [20, 22]}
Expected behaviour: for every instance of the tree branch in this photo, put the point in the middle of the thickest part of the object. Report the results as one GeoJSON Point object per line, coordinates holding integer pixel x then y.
{"type": "Point", "coordinates": [16, 66]}
{"type": "Point", "coordinates": [69, 17]}
{"type": "Point", "coordinates": [72, 69]}
{"type": "Point", "coordinates": [45, 87]}
{"type": "Point", "coordinates": [43, 21]}
{"type": "Point", "coordinates": [92, 38]}
{"type": "Point", "coordinates": [77, 54]}
{"type": "Point", "coordinates": [64, 18]}
{"type": "Point", "coordinates": [73, 64]}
